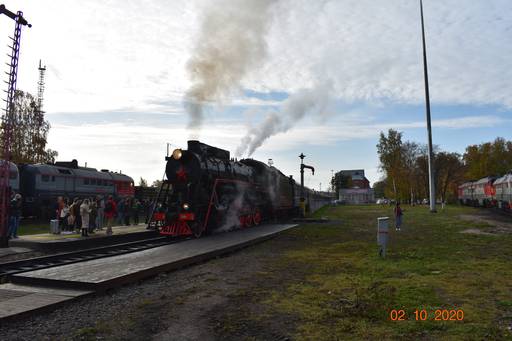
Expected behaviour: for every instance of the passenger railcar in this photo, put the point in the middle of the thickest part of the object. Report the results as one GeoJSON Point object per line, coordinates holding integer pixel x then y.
{"type": "Point", "coordinates": [484, 192]}
{"type": "Point", "coordinates": [503, 188]}
{"type": "Point", "coordinates": [14, 176]}
{"type": "Point", "coordinates": [466, 193]}
{"type": "Point", "coordinates": [205, 190]}
{"type": "Point", "coordinates": [41, 184]}
{"type": "Point", "coordinates": [478, 193]}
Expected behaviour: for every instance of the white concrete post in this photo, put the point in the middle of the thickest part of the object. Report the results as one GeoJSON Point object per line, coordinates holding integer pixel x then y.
{"type": "Point", "coordinates": [382, 234]}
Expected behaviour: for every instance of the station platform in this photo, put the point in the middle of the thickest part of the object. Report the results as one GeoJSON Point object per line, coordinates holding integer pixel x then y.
{"type": "Point", "coordinates": [104, 273]}
{"type": "Point", "coordinates": [17, 300]}
{"type": "Point", "coordinates": [67, 241]}
{"type": "Point", "coordinates": [42, 289]}
{"type": "Point", "coordinates": [13, 250]}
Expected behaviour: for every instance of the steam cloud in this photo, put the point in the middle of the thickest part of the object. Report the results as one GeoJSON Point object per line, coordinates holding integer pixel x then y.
{"type": "Point", "coordinates": [304, 102]}
{"type": "Point", "coordinates": [231, 43]}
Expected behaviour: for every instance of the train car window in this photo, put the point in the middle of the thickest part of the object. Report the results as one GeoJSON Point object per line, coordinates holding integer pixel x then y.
{"type": "Point", "coordinates": [45, 178]}
{"type": "Point", "coordinates": [93, 182]}
{"type": "Point", "coordinates": [86, 181]}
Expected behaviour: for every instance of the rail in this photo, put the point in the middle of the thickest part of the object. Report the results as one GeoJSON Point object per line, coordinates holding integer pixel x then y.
{"type": "Point", "coordinates": [37, 263]}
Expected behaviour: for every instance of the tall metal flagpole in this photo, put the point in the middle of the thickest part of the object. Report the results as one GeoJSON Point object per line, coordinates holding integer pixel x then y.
{"type": "Point", "coordinates": [432, 187]}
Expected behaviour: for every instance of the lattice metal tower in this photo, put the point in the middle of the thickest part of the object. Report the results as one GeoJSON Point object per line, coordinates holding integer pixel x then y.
{"type": "Point", "coordinates": [5, 190]}
{"type": "Point", "coordinates": [40, 88]}
{"type": "Point", "coordinates": [39, 111]}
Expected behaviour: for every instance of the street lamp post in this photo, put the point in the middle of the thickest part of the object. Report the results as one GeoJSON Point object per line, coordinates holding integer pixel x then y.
{"type": "Point", "coordinates": [432, 188]}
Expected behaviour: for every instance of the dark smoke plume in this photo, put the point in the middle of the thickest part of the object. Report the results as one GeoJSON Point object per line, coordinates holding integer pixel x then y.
{"type": "Point", "coordinates": [231, 44]}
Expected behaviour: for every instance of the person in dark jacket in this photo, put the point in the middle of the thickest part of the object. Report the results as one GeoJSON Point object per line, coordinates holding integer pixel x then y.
{"type": "Point", "coordinates": [92, 216]}
{"type": "Point", "coordinates": [398, 216]}
{"type": "Point", "coordinates": [120, 211]}
{"type": "Point", "coordinates": [127, 211]}
{"type": "Point", "coordinates": [14, 216]}
{"type": "Point", "coordinates": [136, 208]}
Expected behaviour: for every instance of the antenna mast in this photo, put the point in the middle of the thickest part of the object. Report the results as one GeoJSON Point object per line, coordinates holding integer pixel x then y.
{"type": "Point", "coordinates": [39, 113]}
{"type": "Point", "coordinates": [40, 88]}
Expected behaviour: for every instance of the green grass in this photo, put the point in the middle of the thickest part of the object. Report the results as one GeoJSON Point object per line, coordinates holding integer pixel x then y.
{"type": "Point", "coordinates": [28, 227]}
{"type": "Point", "coordinates": [348, 291]}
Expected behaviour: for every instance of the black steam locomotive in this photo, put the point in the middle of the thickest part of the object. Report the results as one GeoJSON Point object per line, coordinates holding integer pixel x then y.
{"type": "Point", "coordinates": [205, 190]}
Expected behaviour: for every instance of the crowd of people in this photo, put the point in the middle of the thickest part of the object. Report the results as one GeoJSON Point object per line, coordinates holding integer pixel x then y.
{"type": "Point", "coordinates": [94, 214]}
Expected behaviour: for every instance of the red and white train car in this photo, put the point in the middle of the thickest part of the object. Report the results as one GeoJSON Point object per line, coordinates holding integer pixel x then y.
{"type": "Point", "coordinates": [484, 193]}
{"type": "Point", "coordinates": [503, 188]}
{"type": "Point", "coordinates": [466, 193]}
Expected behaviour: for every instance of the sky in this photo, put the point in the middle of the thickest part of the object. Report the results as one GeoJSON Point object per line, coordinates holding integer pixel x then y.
{"type": "Point", "coordinates": [118, 75]}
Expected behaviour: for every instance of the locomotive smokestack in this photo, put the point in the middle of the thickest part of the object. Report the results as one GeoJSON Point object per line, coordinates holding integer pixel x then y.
{"type": "Point", "coordinates": [231, 44]}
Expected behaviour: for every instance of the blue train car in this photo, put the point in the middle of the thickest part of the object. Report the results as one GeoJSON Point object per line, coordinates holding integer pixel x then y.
{"type": "Point", "coordinates": [42, 184]}
{"type": "Point", "coordinates": [14, 176]}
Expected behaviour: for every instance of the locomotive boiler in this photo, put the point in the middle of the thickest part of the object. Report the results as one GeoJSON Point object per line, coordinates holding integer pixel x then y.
{"type": "Point", "coordinates": [204, 190]}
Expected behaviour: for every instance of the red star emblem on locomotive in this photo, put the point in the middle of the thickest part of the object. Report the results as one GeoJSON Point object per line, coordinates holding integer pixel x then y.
{"type": "Point", "coordinates": [181, 174]}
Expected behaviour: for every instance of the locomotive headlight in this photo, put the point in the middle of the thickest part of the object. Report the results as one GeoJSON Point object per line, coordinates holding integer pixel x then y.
{"type": "Point", "coordinates": [185, 206]}
{"type": "Point", "coordinates": [176, 154]}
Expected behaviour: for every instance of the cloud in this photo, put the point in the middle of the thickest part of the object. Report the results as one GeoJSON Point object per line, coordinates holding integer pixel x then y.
{"type": "Point", "coordinates": [137, 149]}
{"type": "Point", "coordinates": [341, 130]}
{"type": "Point", "coordinates": [118, 54]}
{"type": "Point", "coordinates": [130, 57]}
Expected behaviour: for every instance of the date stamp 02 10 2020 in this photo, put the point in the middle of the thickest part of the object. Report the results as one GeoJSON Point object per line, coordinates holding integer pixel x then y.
{"type": "Point", "coordinates": [427, 315]}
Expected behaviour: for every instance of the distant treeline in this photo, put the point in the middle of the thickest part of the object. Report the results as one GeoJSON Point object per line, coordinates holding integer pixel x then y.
{"type": "Point", "coordinates": [405, 167]}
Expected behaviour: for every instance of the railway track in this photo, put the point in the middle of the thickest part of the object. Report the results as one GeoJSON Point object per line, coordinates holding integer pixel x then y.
{"type": "Point", "coordinates": [30, 264]}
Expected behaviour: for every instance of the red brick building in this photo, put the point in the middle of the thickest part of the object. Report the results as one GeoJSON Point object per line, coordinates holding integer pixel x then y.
{"type": "Point", "coordinates": [359, 191]}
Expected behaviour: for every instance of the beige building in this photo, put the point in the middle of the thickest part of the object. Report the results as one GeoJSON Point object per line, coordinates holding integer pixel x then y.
{"type": "Point", "coordinates": [360, 193]}
{"type": "Point", "coordinates": [357, 195]}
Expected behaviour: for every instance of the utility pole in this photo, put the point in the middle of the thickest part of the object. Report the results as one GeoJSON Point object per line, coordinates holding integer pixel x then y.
{"type": "Point", "coordinates": [5, 190]}
{"type": "Point", "coordinates": [432, 188]}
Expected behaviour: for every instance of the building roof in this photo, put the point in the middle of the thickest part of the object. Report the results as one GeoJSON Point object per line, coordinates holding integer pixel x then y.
{"type": "Point", "coordinates": [352, 172]}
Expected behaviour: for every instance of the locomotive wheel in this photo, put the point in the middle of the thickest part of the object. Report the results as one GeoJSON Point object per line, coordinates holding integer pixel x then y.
{"type": "Point", "coordinates": [257, 218]}
{"type": "Point", "coordinates": [248, 220]}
